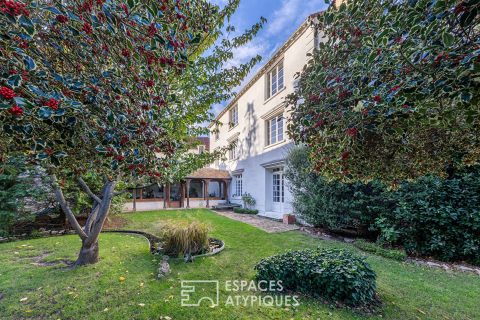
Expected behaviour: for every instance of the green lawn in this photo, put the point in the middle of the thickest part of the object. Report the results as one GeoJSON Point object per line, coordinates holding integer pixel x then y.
{"type": "Point", "coordinates": [95, 292]}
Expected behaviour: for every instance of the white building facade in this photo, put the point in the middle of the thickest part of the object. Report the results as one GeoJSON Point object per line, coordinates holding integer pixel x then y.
{"type": "Point", "coordinates": [256, 121]}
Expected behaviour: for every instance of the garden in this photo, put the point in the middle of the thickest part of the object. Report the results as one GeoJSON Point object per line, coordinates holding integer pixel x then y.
{"type": "Point", "coordinates": [98, 98]}
{"type": "Point", "coordinates": [124, 281]}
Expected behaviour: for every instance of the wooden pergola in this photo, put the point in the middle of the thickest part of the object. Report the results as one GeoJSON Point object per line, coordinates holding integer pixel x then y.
{"type": "Point", "coordinates": [206, 175]}
{"type": "Point", "coordinates": [182, 189]}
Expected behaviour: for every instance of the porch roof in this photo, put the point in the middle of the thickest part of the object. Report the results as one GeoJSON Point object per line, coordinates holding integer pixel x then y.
{"type": "Point", "coordinates": [209, 173]}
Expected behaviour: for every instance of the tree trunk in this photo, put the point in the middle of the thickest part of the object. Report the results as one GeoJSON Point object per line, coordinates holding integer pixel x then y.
{"type": "Point", "coordinates": [88, 254]}
{"type": "Point", "coordinates": [94, 224]}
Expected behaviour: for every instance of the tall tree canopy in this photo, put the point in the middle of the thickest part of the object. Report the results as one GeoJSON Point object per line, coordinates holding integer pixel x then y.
{"type": "Point", "coordinates": [112, 87]}
{"type": "Point", "coordinates": [392, 92]}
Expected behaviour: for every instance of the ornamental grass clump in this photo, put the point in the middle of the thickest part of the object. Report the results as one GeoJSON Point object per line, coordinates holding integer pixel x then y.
{"type": "Point", "coordinates": [333, 275]}
{"type": "Point", "coordinates": [184, 238]}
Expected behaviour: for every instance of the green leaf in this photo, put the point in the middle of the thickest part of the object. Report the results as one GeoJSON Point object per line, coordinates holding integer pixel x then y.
{"type": "Point", "coordinates": [44, 113]}
{"type": "Point", "coordinates": [15, 80]}
{"type": "Point", "coordinates": [20, 101]}
{"type": "Point", "coordinates": [466, 96]}
{"type": "Point", "coordinates": [59, 154]}
{"type": "Point", "coordinates": [53, 10]}
{"type": "Point", "coordinates": [448, 39]}
{"type": "Point", "coordinates": [29, 63]}
{"type": "Point", "coordinates": [42, 156]}
{"type": "Point", "coordinates": [27, 25]}
{"type": "Point", "coordinates": [131, 3]}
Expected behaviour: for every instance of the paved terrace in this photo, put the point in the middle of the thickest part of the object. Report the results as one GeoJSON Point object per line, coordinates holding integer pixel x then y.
{"type": "Point", "coordinates": [267, 225]}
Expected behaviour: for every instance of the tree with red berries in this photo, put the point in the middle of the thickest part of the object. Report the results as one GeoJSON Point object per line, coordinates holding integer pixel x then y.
{"type": "Point", "coordinates": [392, 92]}
{"type": "Point", "coordinates": [116, 88]}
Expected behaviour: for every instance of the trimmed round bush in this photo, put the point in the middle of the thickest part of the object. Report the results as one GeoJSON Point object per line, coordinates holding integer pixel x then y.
{"type": "Point", "coordinates": [331, 274]}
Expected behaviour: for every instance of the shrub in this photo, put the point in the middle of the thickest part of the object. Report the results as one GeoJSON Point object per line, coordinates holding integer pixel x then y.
{"type": "Point", "coordinates": [436, 217]}
{"type": "Point", "coordinates": [20, 183]}
{"type": "Point", "coordinates": [245, 211]}
{"type": "Point", "coordinates": [184, 238]}
{"type": "Point", "coordinates": [395, 254]}
{"type": "Point", "coordinates": [332, 205]}
{"type": "Point", "coordinates": [431, 216]}
{"type": "Point", "coordinates": [334, 275]}
{"type": "Point", "coordinates": [248, 201]}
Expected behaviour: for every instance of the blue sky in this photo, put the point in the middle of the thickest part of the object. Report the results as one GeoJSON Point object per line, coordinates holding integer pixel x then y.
{"type": "Point", "coordinates": [283, 16]}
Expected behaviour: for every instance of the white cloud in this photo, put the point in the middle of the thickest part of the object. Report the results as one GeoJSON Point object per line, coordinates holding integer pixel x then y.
{"type": "Point", "coordinates": [217, 108]}
{"type": "Point", "coordinates": [246, 52]}
{"type": "Point", "coordinates": [291, 14]}
{"type": "Point", "coordinates": [219, 2]}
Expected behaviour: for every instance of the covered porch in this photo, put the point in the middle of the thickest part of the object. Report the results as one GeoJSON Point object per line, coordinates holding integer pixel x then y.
{"type": "Point", "coordinates": [206, 187]}
{"type": "Point", "coordinates": [202, 189]}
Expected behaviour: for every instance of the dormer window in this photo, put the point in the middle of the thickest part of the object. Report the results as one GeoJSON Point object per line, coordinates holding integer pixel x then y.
{"type": "Point", "coordinates": [275, 81]}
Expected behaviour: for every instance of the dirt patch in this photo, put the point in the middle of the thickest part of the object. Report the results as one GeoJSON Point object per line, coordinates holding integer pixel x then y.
{"type": "Point", "coordinates": [115, 222]}
{"type": "Point", "coordinates": [39, 261]}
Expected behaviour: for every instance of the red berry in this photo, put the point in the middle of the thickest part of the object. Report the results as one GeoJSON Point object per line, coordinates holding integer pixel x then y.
{"type": "Point", "coordinates": [377, 98]}
{"type": "Point", "coordinates": [13, 8]}
{"type": "Point", "coordinates": [62, 19]}
{"type": "Point", "coordinates": [314, 98]}
{"type": "Point", "coordinates": [7, 93]}
{"type": "Point", "coordinates": [395, 88]}
{"type": "Point", "coordinates": [352, 132]}
{"type": "Point", "coordinates": [16, 110]}
{"type": "Point", "coordinates": [52, 104]}
{"type": "Point", "coordinates": [87, 28]}
{"type": "Point", "coordinates": [152, 30]}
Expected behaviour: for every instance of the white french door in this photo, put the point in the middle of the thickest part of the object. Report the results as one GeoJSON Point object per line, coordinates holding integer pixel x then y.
{"type": "Point", "coordinates": [278, 190]}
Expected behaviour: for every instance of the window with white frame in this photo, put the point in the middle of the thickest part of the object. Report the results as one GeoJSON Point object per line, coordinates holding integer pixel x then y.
{"type": "Point", "coordinates": [233, 116]}
{"type": "Point", "coordinates": [275, 130]}
{"type": "Point", "coordinates": [278, 185]}
{"type": "Point", "coordinates": [238, 183]}
{"type": "Point", "coordinates": [275, 81]}
{"type": "Point", "coordinates": [234, 152]}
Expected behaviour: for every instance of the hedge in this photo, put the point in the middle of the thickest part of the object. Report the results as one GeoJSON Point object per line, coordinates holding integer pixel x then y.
{"type": "Point", "coordinates": [431, 216]}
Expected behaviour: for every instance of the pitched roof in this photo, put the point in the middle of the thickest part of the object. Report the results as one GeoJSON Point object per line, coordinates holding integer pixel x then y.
{"type": "Point", "coordinates": [209, 173]}
{"type": "Point", "coordinates": [205, 141]}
